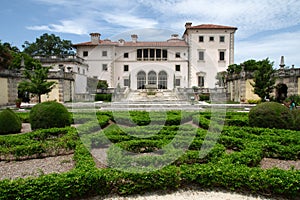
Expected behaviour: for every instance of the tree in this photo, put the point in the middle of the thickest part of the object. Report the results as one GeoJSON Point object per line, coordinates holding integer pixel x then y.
{"type": "Point", "coordinates": [5, 56]}
{"type": "Point", "coordinates": [48, 45]}
{"type": "Point", "coordinates": [264, 79]}
{"type": "Point", "coordinates": [37, 76]}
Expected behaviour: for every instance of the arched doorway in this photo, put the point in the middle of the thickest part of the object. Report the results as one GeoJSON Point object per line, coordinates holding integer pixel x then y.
{"type": "Point", "coordinates": [281, 92]}
{"type": "Point", "coordinates": [141, 80]}
{"type": "Point", "coordinates": [162, 80]}
{"type": "Point", "coordinates": [152, 78]}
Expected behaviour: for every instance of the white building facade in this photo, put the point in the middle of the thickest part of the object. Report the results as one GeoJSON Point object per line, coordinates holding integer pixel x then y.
{"type": "Point", "coordinates": [192, 60]}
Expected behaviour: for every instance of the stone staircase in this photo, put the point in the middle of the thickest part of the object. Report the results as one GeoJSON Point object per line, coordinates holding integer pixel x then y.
{"type": "Point", "coordinates": [160, 100]}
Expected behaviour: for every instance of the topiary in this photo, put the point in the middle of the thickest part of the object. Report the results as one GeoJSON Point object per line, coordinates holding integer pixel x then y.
{"type": "Point", "coordinates": [271, 115]}
{"type": "Point", "coordinates": [48, 115]}
{"type": "Point", "coordinates": [9, 122]}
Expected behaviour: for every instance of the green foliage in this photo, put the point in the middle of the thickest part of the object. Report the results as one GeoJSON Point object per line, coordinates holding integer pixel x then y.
{"type": "Point", "coordinates": [294, 97]}
{"type": "Point", "coordinates": [249, 66]}
{"type": "Point", "coordinates": [102, 84]}
{"type": "Point", "coordinates": [204, 97]}
{"type": "Point", "coordinates": [296, 120]}
{"type": "Point", "coordinates": [49, 114]}
{"type": "Point", "coordinates": [254, 101]}
{"type": "Point", "coordinates": [24, 116]}
{"type": "Point", "coordinates": [37, 83]}
{"type": "Point", "coordinates": [264, 79]}
{"type": "Point", "coordinates": [270, 115]}
{"type": "Point", "coordinates": [48, 45]}
{"type": "Point", "coordinates": [103, 97]}
{"type": "Point", "coordinates": [6, 56]}
{"type": "Point", "coordinates": [237, 170]}
{"type": "Point", "coordinates": [38, 144]}
{"type": "Point", "coordinates": [9, 122]}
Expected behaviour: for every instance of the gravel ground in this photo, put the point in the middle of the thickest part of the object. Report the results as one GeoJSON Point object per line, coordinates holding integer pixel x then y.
{"type": "Point", "coordinates": [192, 193]}
{"type": "Point", "coordinates": [35, 167]}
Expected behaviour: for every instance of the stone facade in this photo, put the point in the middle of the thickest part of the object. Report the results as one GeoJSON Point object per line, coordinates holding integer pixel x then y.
{"type": "Point", "coordinates": [192, 60]}
{"type": "Point", "coordinates": [239, 88]}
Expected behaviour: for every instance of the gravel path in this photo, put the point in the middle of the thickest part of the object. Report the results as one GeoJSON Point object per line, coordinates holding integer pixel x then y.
{"type": "Point", "coordinates": [193, 193]}
{"type": "Point", "coordinates": [36, 167]}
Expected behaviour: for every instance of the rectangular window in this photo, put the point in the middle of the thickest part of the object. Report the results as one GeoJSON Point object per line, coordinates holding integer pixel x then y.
{"type": "Point", "coordinates": [165, 54]}
{"type": "Point", "coordinates": [104, 53]}
{"type": "Point", "coordinates": [177, 82]}
{"type": "Point", "coordinates": [126, 68]}
{"type": "Point", "coordinates": [139, 54]}
{"type": "Point", "coordinates": [126, 82]}
{"type": "Point", "coordinates": [222, 38]}
{"type": "Point", "coordinates": [158, 54]}
{"type": "Point", "coordinates": [222, 55]}
{"type": "Point", "coordinates": [200, 81]}
{"type": "Point", "coordinates": [201, 55]}
{"type": "Point", "coordinates": [177, 68]}
{"type": "Point", "coordinates": [152, 52]}
{"type": "Point", "coordinates": [104, 67]}
{"type": "Point", "coordinates": [145, 51]}
{"type": "Point", "coordinates": [211, 38]}
{"type": "Point", "coordinates": [177, 55]}
{"type": "Point", "coordinates": [126, 55]}
{"type": "Point", "coordinates": [201, 38]}
{"type": "Point", "coordinates": [85, 53]}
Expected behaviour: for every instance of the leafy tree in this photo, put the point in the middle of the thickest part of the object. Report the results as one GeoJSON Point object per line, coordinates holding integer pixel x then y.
{"type": "Point", "coordinates": [5, 56]}
{"type": "Point", "coordinates": [48, 45]}
{"type": "Point", "coordinates": [37, 76]}
{"type": "Point", "coordinates": [264, 79]}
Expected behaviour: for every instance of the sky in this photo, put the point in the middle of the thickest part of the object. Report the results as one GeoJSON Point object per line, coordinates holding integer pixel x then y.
{"type": "Point", "coordinates": [266, 28]}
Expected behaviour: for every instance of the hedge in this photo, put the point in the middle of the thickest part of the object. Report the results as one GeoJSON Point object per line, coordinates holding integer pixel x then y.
{"type": "Point", "coordinates": [236, 171]}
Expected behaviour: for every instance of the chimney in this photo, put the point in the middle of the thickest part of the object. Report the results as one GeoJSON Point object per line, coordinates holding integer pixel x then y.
{"type": "Point", "coordinates": [121, 41]}
{"type": "Point", "coordinates": [188, 25]}
{"type": "Point", "coordinates": [95, 38]}
{"type": "Point", "coordinates": [134, 38]}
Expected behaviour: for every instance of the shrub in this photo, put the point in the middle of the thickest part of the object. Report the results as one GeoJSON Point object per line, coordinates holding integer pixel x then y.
{"type": "Point", "coordinates": [254, 101]}
{"type": "Point", "coordinates": [48, 115]}
{"type": "Point", "coordinates": [296, 120]}
{"type": "Point", "coordinates": [204, 97]}
{"type": "Point", "coordinates": [103, 97]}
{"type": "Point", "coordinates": [9, 122]}
{"type": "Point", "coordinates": [270, 115]}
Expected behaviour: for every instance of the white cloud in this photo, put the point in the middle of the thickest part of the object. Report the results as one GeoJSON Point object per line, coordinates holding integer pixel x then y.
{"type": "Point", "coordinates": [250, 16]}
{"type": "Point", "coordinates": [65, 26]}
{"type": "Point", "coordinates": [273, 47]}
{"type": "Point", "coordinates": [129, 21]}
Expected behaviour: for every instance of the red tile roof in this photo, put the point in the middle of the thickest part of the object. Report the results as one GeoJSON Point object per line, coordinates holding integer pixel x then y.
{"type": "Point", "coordinates": [169, 43]}
{"type": "Point", "coordinates": [211, 26]}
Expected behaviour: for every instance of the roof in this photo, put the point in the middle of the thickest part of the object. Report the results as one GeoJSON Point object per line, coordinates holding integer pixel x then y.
{"type": "Point", "coordinates": [211, 26]}
{"type": "Point", "coordinates": [169, 43]}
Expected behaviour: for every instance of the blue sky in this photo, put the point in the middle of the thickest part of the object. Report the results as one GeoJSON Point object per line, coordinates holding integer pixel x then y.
{"type": "Point", "coordinates": [266, 28]}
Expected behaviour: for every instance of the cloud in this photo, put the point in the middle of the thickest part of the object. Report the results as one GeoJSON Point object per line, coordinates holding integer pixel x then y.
{"type": "Point", "coordinates": [273, 47]}
{"type": "Point", "coordinates": [249, 16]}
{"type": "Point", "coordinates": [129, 21]}
{"type": "Point", "coordinates": [65, 26]}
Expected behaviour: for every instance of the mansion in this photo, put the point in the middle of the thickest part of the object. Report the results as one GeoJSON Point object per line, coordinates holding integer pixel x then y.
{"type": "Point", "coordinates": [179, 62]}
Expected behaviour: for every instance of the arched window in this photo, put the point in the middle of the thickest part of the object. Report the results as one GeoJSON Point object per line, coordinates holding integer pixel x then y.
{"type": "Point", "coordinates": [162, 80]}
{"type": "Point", "coordinates": [141, 80]}
{"type": "Point", "coordinates": [152, 78]}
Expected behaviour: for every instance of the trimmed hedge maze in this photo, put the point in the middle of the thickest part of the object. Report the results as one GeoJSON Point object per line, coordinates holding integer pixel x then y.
{"type": "Point", "coordinates": [142, 141]}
